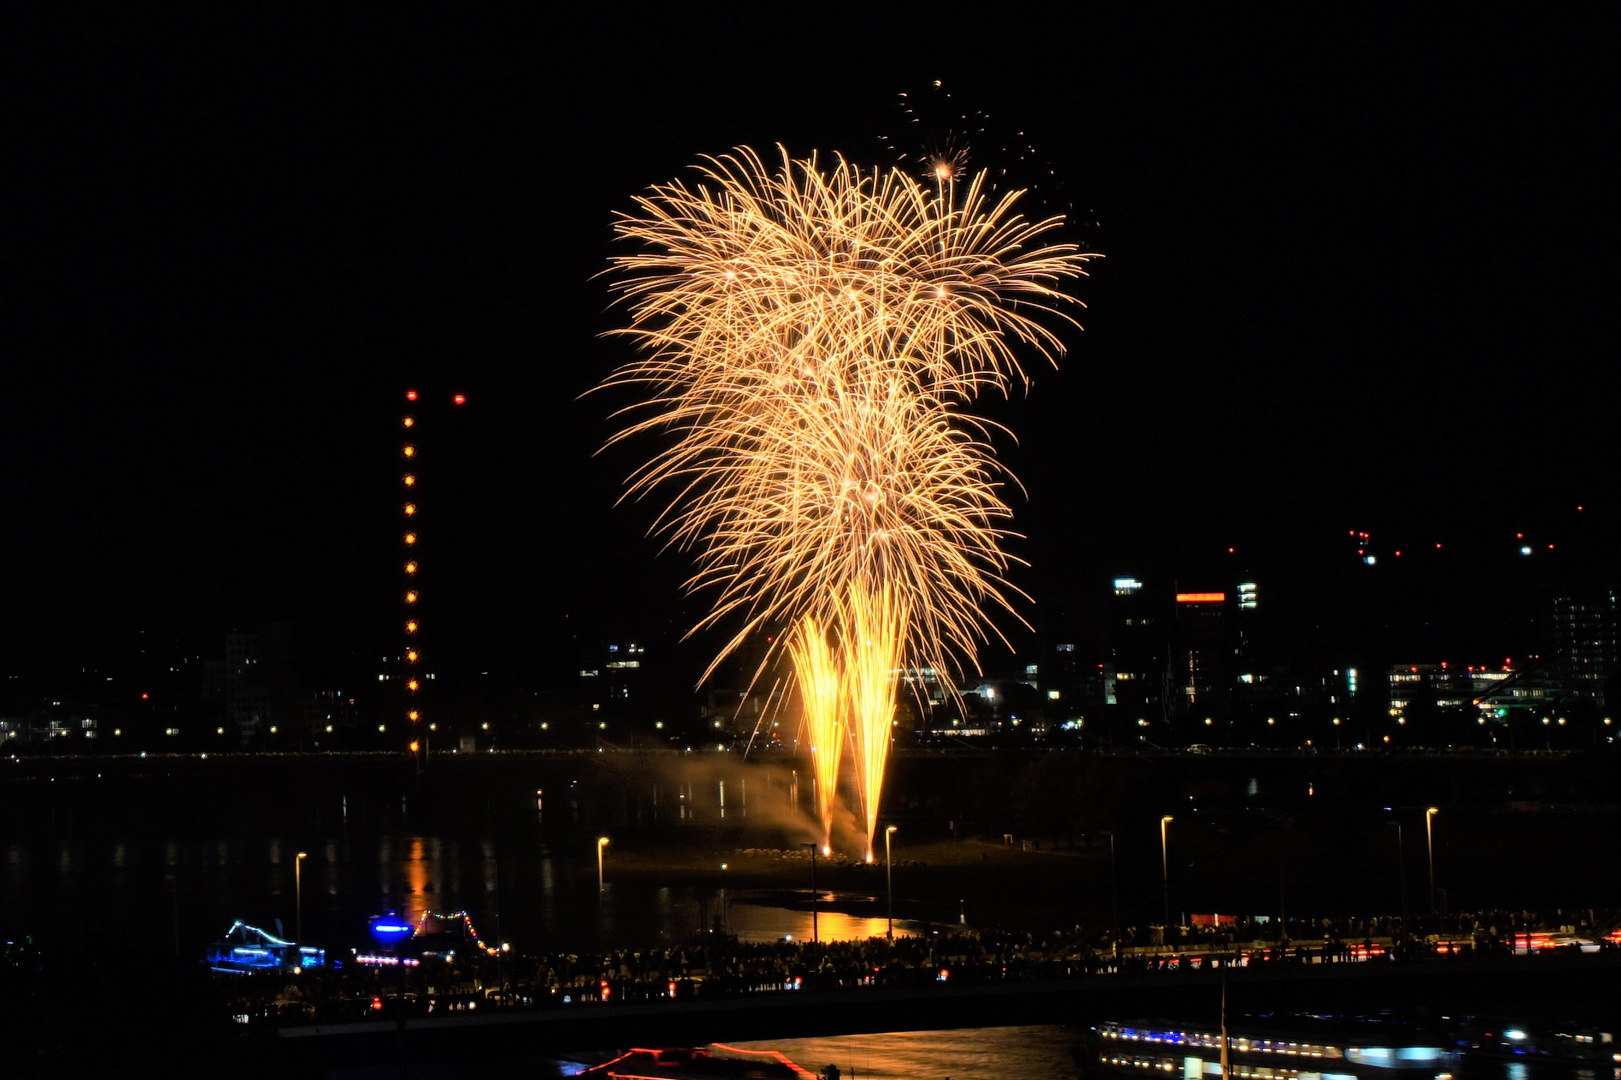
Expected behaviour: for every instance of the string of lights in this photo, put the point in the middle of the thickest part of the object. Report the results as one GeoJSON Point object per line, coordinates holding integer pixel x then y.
{"type": "Point", "coordinates": [453, 916]}
{"type": "Point", "coordinates": [413, 676]}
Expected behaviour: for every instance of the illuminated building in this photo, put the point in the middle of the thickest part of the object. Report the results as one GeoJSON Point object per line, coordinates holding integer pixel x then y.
{"type": "Point", "coordinates": [1201, 668]}
{"type": "Point", "coordinates": [1585, 633]}
{"type": "Point", "coordinates": [611, 675]}
{"type": "Point", "coordinates": [1137, 673]}
{"type": "Point", "coordinates": [258, 681]}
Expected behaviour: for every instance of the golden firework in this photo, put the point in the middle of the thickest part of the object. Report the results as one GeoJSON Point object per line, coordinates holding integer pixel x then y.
{"type": "Point", "coordinates": [808, 341]}
{"type": "Point", "coordinates": [821, 695]}
{"type": "Point", "coordinates": [875, 622]}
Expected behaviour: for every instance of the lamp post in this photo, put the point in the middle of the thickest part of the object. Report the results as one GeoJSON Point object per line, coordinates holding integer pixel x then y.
{"type": "Point", "coordinates": [1165, 869]}
{"type": "Point", "coordinates": [298, 904]}
{"type": "Point", "coordinates": [815, 929]}
{"type": "Point", "coordinates": [1114, 895]}
{"type": "Point", "coordinates": [889, 884]}
{"type": "Point", "coordinates": [1429, 845]}
{"type": "Point", "coordinates": [1401, 876]}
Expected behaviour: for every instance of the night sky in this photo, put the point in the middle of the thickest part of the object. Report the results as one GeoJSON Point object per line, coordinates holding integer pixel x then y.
{"type": "Point", "coordinates": [1358, 276]}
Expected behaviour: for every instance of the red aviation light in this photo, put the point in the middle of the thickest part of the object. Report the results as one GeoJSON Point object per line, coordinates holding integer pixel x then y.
{"type": "Point", "coordinates": [410, 395]}
{"type": "Point", "coordinates": [460, 399]}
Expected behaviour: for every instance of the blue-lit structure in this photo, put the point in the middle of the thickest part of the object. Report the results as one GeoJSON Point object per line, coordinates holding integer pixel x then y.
{"type": "Point", "coordinates": [390, 930]}
{"type": "Point", "coordinates": [246, 949]}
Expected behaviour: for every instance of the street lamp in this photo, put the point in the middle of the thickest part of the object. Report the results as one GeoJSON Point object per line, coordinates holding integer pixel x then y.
{"type": "Point", "coordinates": [889, 884]}
{"type": "Point", "coordinates": [815, 929]}
{"type": "Point", "coordinates": [1114, 896]}
{"type": "Point", "coordinates": [1165, 869]}
{"type": "Point", "coordinates": [298, 902]}
{"type": "Point", "coordinates": [1401, 874]}
{"type": "Point", "coordinates": [602, 842]}
{"type": "Point", "coordinates": [1429, 845]}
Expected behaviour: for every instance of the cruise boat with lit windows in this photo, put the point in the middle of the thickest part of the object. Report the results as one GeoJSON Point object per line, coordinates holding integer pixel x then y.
{"type": "Point", "coordinates": [1300, 1046]}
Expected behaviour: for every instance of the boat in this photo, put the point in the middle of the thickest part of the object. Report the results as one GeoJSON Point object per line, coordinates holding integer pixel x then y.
{"type": "Point", "coordinates": [245, 949]}
{"type": "Point", "coordinates": [1305, 1046]}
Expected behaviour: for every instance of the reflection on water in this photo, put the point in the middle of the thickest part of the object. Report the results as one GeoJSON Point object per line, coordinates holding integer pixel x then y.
{"type": "Point", "coordinates": [756, 922]}
{"type": "Point", "coordinates": [529, 898]}
{"type": "Point", "coordinates": [977, 1054]}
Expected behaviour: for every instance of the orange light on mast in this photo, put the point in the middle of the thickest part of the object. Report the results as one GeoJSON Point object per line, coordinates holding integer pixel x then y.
{"type": "Point", "coordinates": [411, 655]}
{"type": "Point", "coordinates": [411, 627]}
{"type": "Point", "coordinates": [409, 451]}
{"type": "Point", "coordinates": [410, 508]}
{"type": "Point", "coordinates": [410, 538]}
{"type": "Point", "coordinates": [413, 715]}
{"type": "Point", "coordinates": [411, 597]}
{"type": "Point", "coordinates": [409, 480]}
{"type": "Point", "coordinates": [412, 686]}
{"type": "Point", "coordinates": [409, 421]}
{"type": "Point", "coordinates": [410, 568]}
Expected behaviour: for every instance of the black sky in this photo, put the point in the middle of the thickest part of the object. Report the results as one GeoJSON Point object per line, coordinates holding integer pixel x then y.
{"type": "Point", "coordinates": [1358, 275]}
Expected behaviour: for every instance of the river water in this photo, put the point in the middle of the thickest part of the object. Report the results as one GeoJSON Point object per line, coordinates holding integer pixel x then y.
{"type": "Point", "coordinates": [1036, 1052]}
{"type": "Point", "coordinates": [174, 893]}
{"type": "Point", "coordinates": [1030, 1052]}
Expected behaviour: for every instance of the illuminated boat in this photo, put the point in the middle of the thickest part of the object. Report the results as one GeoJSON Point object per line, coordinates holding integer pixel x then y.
{"type": "Point", "coordinates": [245, 949]}
{"type": "Point", "coordinates": [1300, 1046]}
{"type": "Point", "coordinates": [1294, 1047]}
{"type": "Point", "coordinates": [717, 1061]}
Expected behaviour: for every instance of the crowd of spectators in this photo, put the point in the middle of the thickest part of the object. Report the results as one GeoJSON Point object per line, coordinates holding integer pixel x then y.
{"type": "Point", "coordinates": [717, 966]}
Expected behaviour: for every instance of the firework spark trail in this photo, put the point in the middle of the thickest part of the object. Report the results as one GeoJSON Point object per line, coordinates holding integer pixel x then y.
{"type": "Point", "coordinates": [821, 694]}
{"type": "Point", "coordinates": [875, 620]}
{"type": "Point", "coordinates": [809, 338]}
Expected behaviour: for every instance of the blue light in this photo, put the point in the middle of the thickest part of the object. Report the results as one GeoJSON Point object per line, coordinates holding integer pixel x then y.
{"type": "Point", "coordinates": [390, 930]}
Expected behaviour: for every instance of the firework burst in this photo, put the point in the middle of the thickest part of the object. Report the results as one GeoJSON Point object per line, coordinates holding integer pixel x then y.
{"type": "Point", "coordinates": [808, 341]}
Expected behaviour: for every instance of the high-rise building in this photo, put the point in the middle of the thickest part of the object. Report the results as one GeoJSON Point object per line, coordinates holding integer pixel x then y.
{"type": "Point", "coordinates": [1585, 634]}
{"type": "Point", "coordinates": [258, 680]}
{"type": "Point", "coordinates": [1201, 668]}
{"type": "Point", "coordinates": [1137, 674]}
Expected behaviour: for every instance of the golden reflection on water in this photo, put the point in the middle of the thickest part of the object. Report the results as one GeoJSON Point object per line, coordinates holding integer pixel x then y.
{"type": "Point", "coordinates": [974, 1054]}
{"type": "Point", "coordinates": [416, 877]}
